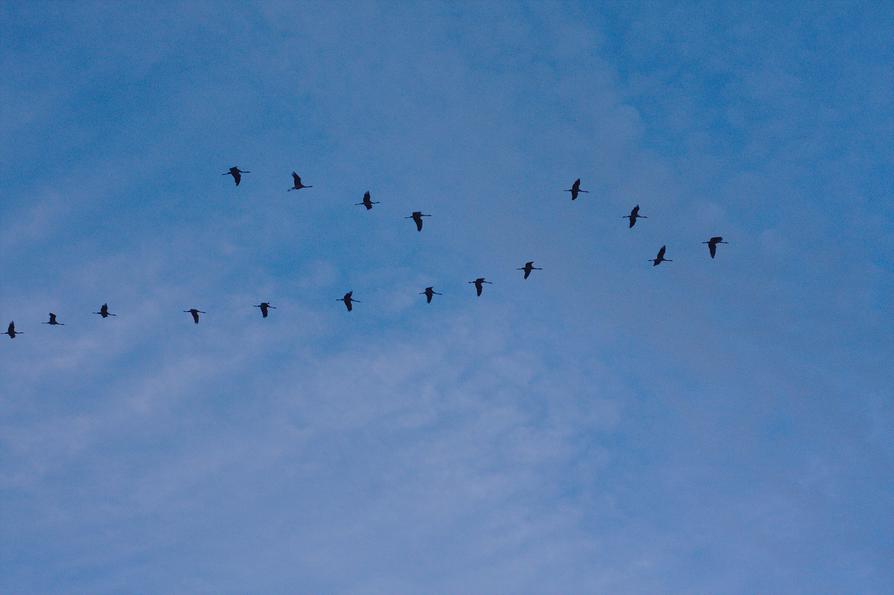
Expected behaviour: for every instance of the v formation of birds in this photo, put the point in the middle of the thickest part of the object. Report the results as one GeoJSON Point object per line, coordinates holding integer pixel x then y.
{"type": "Point", "coordinates": [416, 216]}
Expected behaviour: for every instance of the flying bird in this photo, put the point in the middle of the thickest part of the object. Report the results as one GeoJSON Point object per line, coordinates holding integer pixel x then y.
{"type": "Point", "coordinates": [11, 331]}
{"type": "Point", "coordinates": [236, 173]}
{"type": "Point", "coordinates": [660, 258]}
{"type": "Point", "coordinates": [575, 189]}
{"type": "Point", "coordinates": [633, 216]}
{"type": "Point", "coordinates": [53, 321]}
{"type": "Point", "coordinates": [712, 244]}
{"type": "Point", "coordinates": [348, 300]}
{"type": "Point", "coordinates": [296, 182]}
{"type": "Point", "coordinates": [195, 314]}
{"type": "Point", "coordinates": [367, 202]}
{"type": "Point", "coordinates": [417, 218]}
{"type": "Point", "coordinates": [479, 284]}
{"type": "Point", "coordinates": [529, 266]}
{"type": "Point", "coordinates": [264, 306]}
{"type": "Point", "coordinates": [104, 311]}
{"type": "Point", "coordinates": [428, 293]}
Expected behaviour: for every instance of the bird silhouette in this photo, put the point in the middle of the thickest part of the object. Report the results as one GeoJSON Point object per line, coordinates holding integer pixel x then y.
{"type": "Point", "coordinates": [367, 202]}
{"type": "Point", "coordinates": [348, 300]}
{"type": "Point", "coordinates": [417, 218]}
{"type": "Point", "coordinates": [660, 258]}
{"type": "Point", "coordinates": [104, 311]}
{"type": "Point", "coordinates": [195, 314]}
{"type": "Point", "coordinates": [575, 189]}
{"type": "Point", "coordinates": [53, 321]}
{"type": "Point", "coordinates": [712, 244]}
{"type": "Point", "coordinates": [11, 331]}
{"type": "Point", "coordinates": [529, 266]}
{"type": "Point", "coordinates": [633, 216]}
{"type": "Point", "coordinates": [428, 293]}
{"type": "Point", "coordinates": [296, 182]}
{"type": "Point", "coordinates": [236, 173]}
{"type": "Point", "coordinates": [264, 306]}
{"type": "Point", "coordinates": [479, 285]}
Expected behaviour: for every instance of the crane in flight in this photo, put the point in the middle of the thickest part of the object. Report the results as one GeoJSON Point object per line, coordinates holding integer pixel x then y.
{"type": "Point", "coordinates": [479, 285]}
{"type": "Point", "coordinates": [417, 216]}
{"type": "Point", "coordinates": [348, 299]}
{"type": "Point", "coordinates": [367, 201]}
{"type": "Point", "coordinates": [428, 293]}
{"type": "Point", "coordinates": [104, 311]}
{"type": "Point", "coordinates": [296, 182]}
{"type": "Point", "coordinates": [633, 216]}
{"type": "Point", "coordinates": [53, 321]}
{"type": "Point", "coordinates": [712, 244]}
{"type": "Point", "coordinates": [236, 173]}
{"type": "Point", "coordinates": [529, 266]}
{"type": "Point", "coordinates": [575, 189]}
{"type": "Point", "coordinates": [11, 331]}
{"type": "Point", "coordinates": [660, 258]}
{"type": "Point", "coordinates": [265, 306]}
{"type": "Point", "coordinates": [195, 314]}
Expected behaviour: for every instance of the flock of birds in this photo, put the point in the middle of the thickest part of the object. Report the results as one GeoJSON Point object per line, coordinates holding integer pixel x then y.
{"type": "Point", "coordinates": [416, 216]}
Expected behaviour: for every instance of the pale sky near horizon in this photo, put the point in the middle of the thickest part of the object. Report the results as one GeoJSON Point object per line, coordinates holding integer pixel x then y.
{"type": "Point", "coordinates": [705, 426]}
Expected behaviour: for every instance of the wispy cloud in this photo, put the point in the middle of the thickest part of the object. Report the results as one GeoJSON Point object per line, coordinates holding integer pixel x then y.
{"type": "Point", "coordinates": [709, 425]}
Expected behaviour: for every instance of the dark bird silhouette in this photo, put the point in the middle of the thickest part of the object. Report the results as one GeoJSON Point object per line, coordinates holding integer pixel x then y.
{"type": "Point", "coordinates": [104, 311]}
{"type": "Point", "coordinates": [575, 189]}
{"type": "Point", "coordinates": [11, 331]}
{"type": "Point", "coordinates": [236, 173]}
{"type": "Point", "coordinates": [348, 300]}
{"type": "Point", "coordinates": [264, 306]}
{"type": "Point", "coordinates": [529, 266]}
{"type": "Point", "coordinates": [417, 218]}
{"type": "Point", "coordinates": [479, 285]}
{"type": "Point", "coordinates": [633, 216]}
{"type": "Point", "coordinates": [428, 293]}
{"type": "Point", "coordinates": [660, 258]}
{"type": "Point", "coordinates": [296, 182]}
{"type": "Point", "coordinates": [53, 321]}
{"type": "Point", "coordinates": [195, 314]}
{"type": "Point", "coordinates": [712, 244]}
{"type": "Point", "coordinates": [367, 202]}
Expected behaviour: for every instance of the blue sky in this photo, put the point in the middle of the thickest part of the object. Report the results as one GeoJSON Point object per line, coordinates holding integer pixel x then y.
{"type": "Point", "coordinates": [705, 426]}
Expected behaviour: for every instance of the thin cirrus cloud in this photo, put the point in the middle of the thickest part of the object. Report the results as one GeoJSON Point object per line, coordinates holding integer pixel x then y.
{"type": "Point", "coordinates": [711, 425]}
